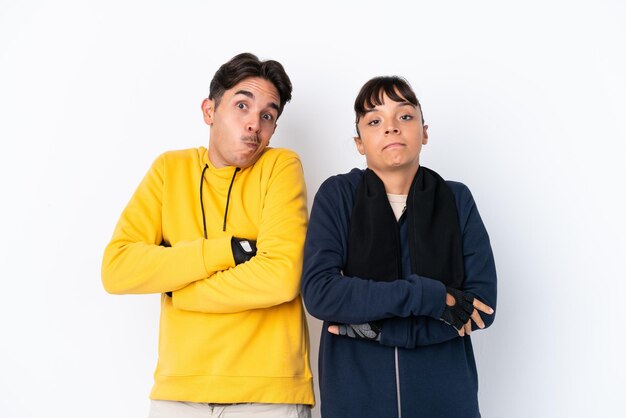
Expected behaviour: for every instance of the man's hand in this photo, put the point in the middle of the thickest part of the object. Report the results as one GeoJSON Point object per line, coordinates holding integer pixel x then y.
{"type": "Point", "coordinates": [461, 309]}
{"type": "Point", "coordinates": [365, 331]}
{"type": "Point", "coordinates": [243, 249]}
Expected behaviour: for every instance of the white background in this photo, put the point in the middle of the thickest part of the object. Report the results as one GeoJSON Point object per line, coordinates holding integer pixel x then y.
{"type": "Point", "coordinates": [525, 102]}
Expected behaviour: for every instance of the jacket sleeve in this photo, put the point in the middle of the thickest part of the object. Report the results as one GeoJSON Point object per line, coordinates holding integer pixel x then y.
{"type": "Point", "coordinates": [331, 296]}
{"type": "Point", "coordinates": [135, 261]}
{"type": "Point", "coordinates": [272, 276]}
{"type": "Point", "coordinates": [480, 281]}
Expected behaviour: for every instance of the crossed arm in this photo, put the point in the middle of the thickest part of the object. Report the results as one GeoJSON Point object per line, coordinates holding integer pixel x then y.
{"type": "Point", "coordinates": [409, 311]}
{"type": "Point", "coordinates": [202, 274]}
{"type": "Point", "coordinates": [370, 332]}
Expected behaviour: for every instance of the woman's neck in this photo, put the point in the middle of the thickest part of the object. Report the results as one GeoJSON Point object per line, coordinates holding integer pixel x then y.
{"type": "Point", "coordinates": [397, 181]}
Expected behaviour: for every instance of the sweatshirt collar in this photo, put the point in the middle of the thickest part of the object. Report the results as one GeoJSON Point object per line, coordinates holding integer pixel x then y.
{"type": "Point", "coordinates": [223, 173]}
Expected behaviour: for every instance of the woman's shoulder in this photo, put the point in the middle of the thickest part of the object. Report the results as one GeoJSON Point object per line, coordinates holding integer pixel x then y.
{"type": "Point", "coordinates": [342, 183]}
{"type": "Point", "coordinates": [457, 187]}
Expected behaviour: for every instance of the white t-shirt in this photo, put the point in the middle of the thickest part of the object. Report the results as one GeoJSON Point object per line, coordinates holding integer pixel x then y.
{"type": "Point", "coordinates": [398, 203]}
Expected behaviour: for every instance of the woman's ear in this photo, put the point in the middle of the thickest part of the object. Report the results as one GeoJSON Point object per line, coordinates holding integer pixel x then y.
{"type": "Point", "coordinates": [359, 145]}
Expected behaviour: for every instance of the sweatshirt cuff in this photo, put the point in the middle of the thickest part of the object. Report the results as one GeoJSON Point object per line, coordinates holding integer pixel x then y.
{"type": "Point", "coordinates": [395, 331]}
{"type": "Point", "coordinates": [433, 297]}
{"type": "Point", "coordinates": [217, 254]}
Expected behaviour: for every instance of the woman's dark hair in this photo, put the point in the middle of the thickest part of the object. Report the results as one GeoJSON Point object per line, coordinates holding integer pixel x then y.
{"type": "Point", "coordinates": [372, 92]}
{"type": "Point", "coordinates": [247, 65]}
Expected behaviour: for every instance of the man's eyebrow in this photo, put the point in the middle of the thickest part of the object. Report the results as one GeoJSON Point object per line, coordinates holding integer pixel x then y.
{"type": "Point", "coordinates": [245, 93]}
{"type": "Point", "coordinates": [251, 95]}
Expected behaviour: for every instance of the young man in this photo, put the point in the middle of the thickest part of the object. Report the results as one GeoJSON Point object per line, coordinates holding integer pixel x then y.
{"type": "Point", "coordinates": [219, 233]}
{"type": "Point", "coordinates": [398, 264]}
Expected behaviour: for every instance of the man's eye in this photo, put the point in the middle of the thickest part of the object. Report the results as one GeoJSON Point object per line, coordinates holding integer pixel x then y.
{"type": "Point", "coordinates": [373, 122]}
{"type": "Point", "coordinates": [406, 117]}
{"type": "Point", "coordinates": [241, 105]}
{"type": "Point", "coordinates": [268, 117]}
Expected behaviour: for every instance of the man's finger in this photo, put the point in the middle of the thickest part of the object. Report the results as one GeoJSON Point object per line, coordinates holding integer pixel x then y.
{"type": "Point", "coordinates": [334, 329]}
{"type": "Point", "coordinates": [477, 319]}
{"type": "Point", "coordinates": [482, 307]}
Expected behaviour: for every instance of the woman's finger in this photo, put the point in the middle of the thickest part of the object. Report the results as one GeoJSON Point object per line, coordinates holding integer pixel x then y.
{"type": "Point", "coordinates": [482, 307]}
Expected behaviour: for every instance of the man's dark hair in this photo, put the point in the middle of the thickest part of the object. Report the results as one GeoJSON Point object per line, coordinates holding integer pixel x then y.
{"type": "Point", "coordinates": [372, 92]}
{"type": "Point", "coordinates": [247, 65]}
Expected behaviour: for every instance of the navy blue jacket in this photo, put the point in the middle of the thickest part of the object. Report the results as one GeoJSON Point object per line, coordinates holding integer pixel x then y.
{"type": "Point", "coordinates": [420, 365]}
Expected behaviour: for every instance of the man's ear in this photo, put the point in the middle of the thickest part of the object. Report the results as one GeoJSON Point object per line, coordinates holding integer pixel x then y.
{"type": "Point", "coordinates": [208, 109]}
{"type": "Point", "coordinates": [359, 145]}
{"type": "Point", "coordinates": [425, 135]}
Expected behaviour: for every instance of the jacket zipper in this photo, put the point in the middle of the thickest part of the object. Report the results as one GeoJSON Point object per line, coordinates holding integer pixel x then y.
{"type": "Point", "coordinates": [398, 383]}
{"type": "Point", "coordinates": [399, 252]}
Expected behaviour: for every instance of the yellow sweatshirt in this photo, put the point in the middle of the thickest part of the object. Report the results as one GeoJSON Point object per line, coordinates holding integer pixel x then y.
{"type": "Point", "coordinates": [228, 334]}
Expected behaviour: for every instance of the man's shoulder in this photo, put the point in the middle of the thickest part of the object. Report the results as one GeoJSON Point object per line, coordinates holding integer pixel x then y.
{"type": "Point", "coordinates": [172, 160]}
{"type": "Point", "coordinates": [182, 154]}
{"type": "Point", "coordinates": [180, 157]}
{"type": "Point", "coordinates": [273, 156]}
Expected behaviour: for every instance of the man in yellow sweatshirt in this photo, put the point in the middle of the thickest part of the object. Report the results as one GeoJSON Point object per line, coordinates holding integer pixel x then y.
{"type": "Point", "coordinates": [219, 233]}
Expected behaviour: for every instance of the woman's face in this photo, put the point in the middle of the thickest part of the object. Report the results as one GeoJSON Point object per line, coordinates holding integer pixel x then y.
{"type": "Point", "coordinates": [391, 136]}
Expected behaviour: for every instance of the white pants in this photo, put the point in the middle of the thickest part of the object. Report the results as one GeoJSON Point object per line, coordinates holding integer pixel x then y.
{"type": "Point", "coordinates": [173, 409]}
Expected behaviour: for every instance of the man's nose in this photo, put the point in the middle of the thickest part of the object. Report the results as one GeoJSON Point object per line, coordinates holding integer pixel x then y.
{"type": "Point", "coordinates": [253, 124]}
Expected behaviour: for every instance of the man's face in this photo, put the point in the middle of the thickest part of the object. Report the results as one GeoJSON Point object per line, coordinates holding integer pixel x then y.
{"type": "Point", "coordinates": [392, 136]}
{"type": "Point", "coordinates": [243, 123]}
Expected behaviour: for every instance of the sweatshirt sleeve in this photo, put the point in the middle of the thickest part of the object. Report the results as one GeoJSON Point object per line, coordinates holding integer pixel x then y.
{"type": "Point", "coordinates": [137, 261]}
{"type": "Point", "coordinates": [480, 281]}
{"type": "Point", "coordinates": [331, 296]}
{"type": "Point", "coordinates": [480, 267]}
{"type": "Point", "coordinates": [272, 276]}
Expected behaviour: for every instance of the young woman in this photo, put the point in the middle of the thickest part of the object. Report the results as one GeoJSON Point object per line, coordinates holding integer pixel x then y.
{"type": "Point", "coordinates": [398, 265]}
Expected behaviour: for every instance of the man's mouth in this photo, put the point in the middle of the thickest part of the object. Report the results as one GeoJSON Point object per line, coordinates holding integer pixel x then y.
{"type": "Point", "coordinates": [252, 139]}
